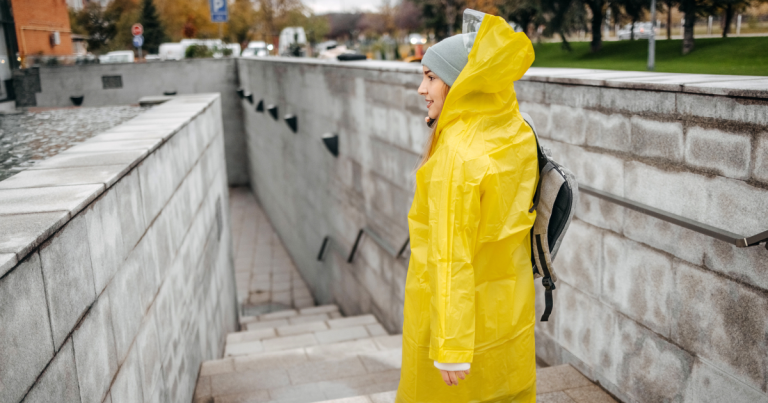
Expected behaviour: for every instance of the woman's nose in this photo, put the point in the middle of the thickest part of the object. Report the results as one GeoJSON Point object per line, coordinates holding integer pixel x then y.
{"type": "Point", "coordinates": [422, 89]}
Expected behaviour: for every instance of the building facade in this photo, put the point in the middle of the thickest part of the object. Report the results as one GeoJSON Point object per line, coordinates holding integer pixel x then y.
{"type": "Point", "coordinates": [42, 27]}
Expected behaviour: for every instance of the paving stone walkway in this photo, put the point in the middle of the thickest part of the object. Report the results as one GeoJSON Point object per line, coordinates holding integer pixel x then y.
{"type": "Point", "coordinates": [267, 279]}
{"type": "Point", "coordinates": [291, 351]}
{"type": "Point", "coordinates": [39, 133]}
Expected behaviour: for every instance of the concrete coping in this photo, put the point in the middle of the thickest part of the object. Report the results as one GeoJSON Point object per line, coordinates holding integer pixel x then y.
{"type": "Point", "coordinates": [38, 201]}
{"type": "Point", "coordinates": [154, 100]}
{"type": "Point", "coordinates": [708, 84]}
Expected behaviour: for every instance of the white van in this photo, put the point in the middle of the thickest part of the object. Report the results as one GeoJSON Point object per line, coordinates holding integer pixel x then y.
{"type": "Point", "coordinates": [117, 56]}
{"type": "Point", "coordinates": [256, 48]}
{"type": "Point", "coordinates": [171, 51]}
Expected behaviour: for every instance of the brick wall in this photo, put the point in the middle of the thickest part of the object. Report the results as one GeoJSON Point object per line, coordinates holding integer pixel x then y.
{"type": "Point", "coordinates": [117, 280]}
{"type": "Point", "coordinates": [651, 311]}
{"type": "Point", "coordinates": [35, 21]}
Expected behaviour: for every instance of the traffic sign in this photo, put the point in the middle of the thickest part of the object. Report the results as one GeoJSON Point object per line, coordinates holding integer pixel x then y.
{"type": "Point", "coordinates": [137, 29]}
{"type": "Point", "coordinates": [219, 12]}
{"type": "Point", "coordinates": [138, 40]}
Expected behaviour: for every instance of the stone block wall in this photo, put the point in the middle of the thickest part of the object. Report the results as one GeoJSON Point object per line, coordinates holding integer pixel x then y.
{"type": "Point", "coordinates": [652, 311]}
{"type": "Point", "coordinates": [308, 194]}
{"type": "Point", "coordinates": [116, 272]}
{"type": "Point", "coordinates": [57, 84]}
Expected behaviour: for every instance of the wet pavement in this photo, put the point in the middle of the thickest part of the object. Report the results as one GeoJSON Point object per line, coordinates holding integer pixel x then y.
{"type": "Point", "coordinates": [41, 133]}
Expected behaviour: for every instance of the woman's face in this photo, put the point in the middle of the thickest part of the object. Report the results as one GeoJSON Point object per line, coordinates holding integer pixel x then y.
{"type": "Point", "coordinates": [433, 90]}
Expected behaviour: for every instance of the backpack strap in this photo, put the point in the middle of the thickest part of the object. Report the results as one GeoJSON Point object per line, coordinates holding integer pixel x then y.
{"type": "Point", "coordinates": [545, 165]}
{"type": "Point", "coordinates": [543, 261]}
{"type": "Point", "coordinates": [536, 196]}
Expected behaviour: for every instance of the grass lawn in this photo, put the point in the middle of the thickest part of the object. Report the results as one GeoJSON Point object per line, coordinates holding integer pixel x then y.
{"type": "Point", "coordinates": [740, 56]}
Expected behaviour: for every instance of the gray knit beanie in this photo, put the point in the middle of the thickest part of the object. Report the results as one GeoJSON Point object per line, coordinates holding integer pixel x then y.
{"type": "Point", "coordinates": [447, 58]}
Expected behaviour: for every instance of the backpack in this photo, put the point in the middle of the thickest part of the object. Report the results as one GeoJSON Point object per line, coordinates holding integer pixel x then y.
{"type": "Point", "coordinates": [555, 203]}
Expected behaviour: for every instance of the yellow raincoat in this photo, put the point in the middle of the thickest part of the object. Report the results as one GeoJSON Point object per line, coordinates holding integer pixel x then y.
{"type": "Point", "coordinates": [469, 293]}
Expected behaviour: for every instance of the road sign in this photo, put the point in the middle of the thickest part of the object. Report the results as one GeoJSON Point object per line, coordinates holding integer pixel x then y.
{"type": "Point", "coordinates": [138, 40]}
{"type": "Point", "coordinates": [137, 29]}
{"type": "Point", "coordinates": [219, 12]}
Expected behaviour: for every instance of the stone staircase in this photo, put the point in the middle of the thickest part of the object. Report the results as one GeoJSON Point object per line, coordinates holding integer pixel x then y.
{"type": "Point", "coordinates": [306, 355]}
{"type": "Point", "coordinates": [316, 355]}
{"type": "Point", "coordinates": [290, 351]}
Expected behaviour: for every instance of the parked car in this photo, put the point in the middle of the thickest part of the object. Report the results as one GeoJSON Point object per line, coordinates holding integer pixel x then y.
{"type": "Point", "coordinates": [323, 46]}
{"type": "Point", "coordinates": [117, 56]}
{"type": "Point", "coordinates": [177, 50]}
{"type": "Point", "coordinates": [256, 48]}
{"type": "Point", "coordinates": [416, 39]}
{"type": "Point", "coordinates": [643, 30]}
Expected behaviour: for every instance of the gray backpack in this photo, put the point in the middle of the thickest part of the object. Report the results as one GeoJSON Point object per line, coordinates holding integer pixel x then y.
{"type": "Point", "coordinates": [555, 203]}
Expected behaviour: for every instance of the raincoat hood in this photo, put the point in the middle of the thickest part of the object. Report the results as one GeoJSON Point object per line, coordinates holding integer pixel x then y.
{"type": "Point", "coordinates": [484, 89]}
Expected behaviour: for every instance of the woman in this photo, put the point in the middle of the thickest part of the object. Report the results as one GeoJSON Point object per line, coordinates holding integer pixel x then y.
{"type": "Point", "coordinates": [469, 296]}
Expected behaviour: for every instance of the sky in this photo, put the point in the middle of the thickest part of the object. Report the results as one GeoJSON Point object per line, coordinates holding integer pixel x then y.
{"type": "Point", "coordinates": [336, 6]}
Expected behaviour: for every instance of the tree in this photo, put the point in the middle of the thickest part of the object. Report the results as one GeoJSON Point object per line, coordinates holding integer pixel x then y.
{"type": "Point", "coordinates": [634, 9]}
{"type": "Point", "coordinates": [524, 13]}
{"type": "Point", "coordinates": [123, 13]}
{"type": "Point", "coordinates": [563, 17]}
{"type": "Point", "coordinates": [408, 17]}
{"type": "Point", "coordinates": [96, 24]}
{"type": "Point", "coordinates": [189, 30]}
{"type": "Point", "coordinates": [669, 19]}
{"type": "Point", "coordinates": [343, 25]}
{"type": "Point", "coordinates": [441, 16]}
{"type": "Point", "coordinates": [690, 8]}
{"type": "Point", "coordinates": [242, 22]}
{"type": "Point", "coordinates": [451, 8]}
{"type": "Point", "coordinates": [275, 15]}
{"type": "Point", "coordinates": [183, 17]}
{"type": "Point", "coordinates": [729, 8]}
{"type": "Point", "coordinates": [597, 7]}
{"type": "Point", "coordinates": [154, 34]}
{"type": "Point", "coordinates": [372, 24]}
{"type": "Point", "coordinates": [316, 27]}
{"type": "Point", "coordinates": [485, 6]}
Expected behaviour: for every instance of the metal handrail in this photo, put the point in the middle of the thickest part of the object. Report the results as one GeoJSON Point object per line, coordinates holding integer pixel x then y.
{"type": "Point", "coordinates": [714, 232]}
{"type": "Point", "coordinates": [717, 233]}
{"type": "Point", "coordinates": [397, 254]}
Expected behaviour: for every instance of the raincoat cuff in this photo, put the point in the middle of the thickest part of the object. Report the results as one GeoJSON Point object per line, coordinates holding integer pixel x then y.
{"type": "Point", "coordinates": [453, 366]}
{"type": "Point", "coordinates": [451, 355]}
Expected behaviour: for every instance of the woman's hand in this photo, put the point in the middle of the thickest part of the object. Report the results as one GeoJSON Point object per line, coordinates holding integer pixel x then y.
{"type": "Point", "coordinates": [452, 377]}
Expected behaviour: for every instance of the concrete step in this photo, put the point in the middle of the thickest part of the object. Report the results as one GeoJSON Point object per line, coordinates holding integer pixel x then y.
{"type": "Point", "coordinates": [292, 316]}
{"type": "Point", "coordinates": [558, 384]}
{"type": "Point", "coordinates": [382, 397]}
{"type": "Point", "coordinates": [304, 374]}
{"type": "Point", "coordinates": [283, 337]}
{"type": "Point", "coordinates": [563, 383]}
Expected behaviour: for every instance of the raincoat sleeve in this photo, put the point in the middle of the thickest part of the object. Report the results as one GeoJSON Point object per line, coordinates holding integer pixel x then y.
{"type": "Point", "coordinates": [453, 227]}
